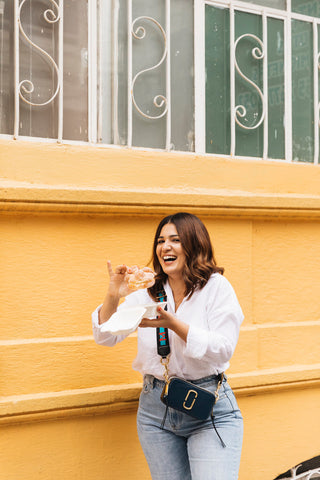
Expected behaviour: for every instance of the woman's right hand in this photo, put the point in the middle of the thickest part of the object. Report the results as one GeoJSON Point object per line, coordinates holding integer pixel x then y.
{"type": "Point", "coordinates": [118, 285]}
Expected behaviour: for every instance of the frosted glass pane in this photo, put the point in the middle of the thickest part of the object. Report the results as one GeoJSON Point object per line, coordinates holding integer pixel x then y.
{"type": "Point", "coordinates": [280, 4]}
{"type": "Point", "coordinates": [276, 110]}
{"type": "Point", "coordinates": [75, 70]}
{"type": "Point", "coordinates": [182, 75]}
{"type": "Point", "coordinates": [217, 80]}
{"type": "Point", "coordinates": [105, 84]}
{"type": "Point", "coordinates": [249, 141]}
{"type": "Point", "coordinates": [302, 92]}
{"type": "Point", "coordinates": [37, 73]}
{"type": "Point", "coordinates": [306, 7]}
{"type": "Point", "coordinates": [146, 53]}
{"type": "Point", "coordinates": [150, 76]}
{"type": "Point", "coordinates": [6, 68]}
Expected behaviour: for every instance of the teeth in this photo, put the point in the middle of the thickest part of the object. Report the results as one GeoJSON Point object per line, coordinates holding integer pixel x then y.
{"type": "Point", "coordinates": [169, 257]}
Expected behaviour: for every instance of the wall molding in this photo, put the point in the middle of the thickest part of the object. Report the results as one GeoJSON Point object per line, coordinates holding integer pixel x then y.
{"type": "Point", "coordinates": [76, 179]}
{"type": "Point", "coordinates": [157, 201]}
{"type": "Point", "coordinates": [109, 399]}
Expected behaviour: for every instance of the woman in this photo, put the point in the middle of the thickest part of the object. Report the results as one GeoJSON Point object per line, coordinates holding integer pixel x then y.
{"type": "Point", "coordinates": [203, 317]}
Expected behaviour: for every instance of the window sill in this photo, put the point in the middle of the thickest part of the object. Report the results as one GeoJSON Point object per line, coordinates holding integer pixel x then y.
{"type": "Point", "coordinates": [43, 198]}
{"type": "Point", "coordinates": [39, 177]}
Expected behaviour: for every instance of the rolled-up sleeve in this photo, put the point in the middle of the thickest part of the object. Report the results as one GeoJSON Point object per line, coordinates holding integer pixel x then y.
{"type": "Point", "coordinates": [103, 338]}
{"type": "Point", "coordinates": [224, 317]}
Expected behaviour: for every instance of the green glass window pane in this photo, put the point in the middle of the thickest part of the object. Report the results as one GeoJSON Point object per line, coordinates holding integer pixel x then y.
{"type": "Point", "coordinates": [276, 140]}
{"type": "Point", "coordinates": [306, 7]}
{"type": "Point", "coordinates": [319, 95]}
{"type": "Point", "coordinates": [302, 92]}
{"type": "Point", "coordinates": [217, 60]}
{"type": "Point", "coordinates": [249, 140]}
{"type": "Point", "coordinates": [148, 130]}
{"type": "Point", "coordinates": [280, 4]}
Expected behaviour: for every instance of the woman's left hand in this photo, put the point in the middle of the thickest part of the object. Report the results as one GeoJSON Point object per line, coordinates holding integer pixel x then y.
{"type": "Point", "coordinates": [164, 319]}
{"type": "Point", "coordinates": [167, 320]}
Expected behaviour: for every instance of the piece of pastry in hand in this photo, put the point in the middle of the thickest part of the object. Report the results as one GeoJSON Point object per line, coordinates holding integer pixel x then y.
{"type": "Point", "coordinates": [140, 278]}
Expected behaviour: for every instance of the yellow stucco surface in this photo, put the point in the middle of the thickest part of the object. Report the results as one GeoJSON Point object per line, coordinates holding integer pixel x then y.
{"type": "Point", "coordinates": [67, 407]}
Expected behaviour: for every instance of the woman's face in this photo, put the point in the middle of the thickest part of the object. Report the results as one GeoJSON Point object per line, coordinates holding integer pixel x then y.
{"type": "Point", "coordinates": [170, 252]}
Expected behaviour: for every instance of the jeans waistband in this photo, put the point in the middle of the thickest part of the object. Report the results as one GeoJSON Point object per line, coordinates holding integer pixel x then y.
{"type": "Point", "coordinates": [209, 378]}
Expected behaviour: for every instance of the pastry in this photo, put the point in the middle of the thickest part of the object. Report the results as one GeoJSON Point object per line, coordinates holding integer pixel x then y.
{"type": "Point", "coordinates": [140, 278]}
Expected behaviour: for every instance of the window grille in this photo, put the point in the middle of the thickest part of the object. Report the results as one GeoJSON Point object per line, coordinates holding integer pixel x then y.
{"type": "Point", "coordinates": [225, 77]}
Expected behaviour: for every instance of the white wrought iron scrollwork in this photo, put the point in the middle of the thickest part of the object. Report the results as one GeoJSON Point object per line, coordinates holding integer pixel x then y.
{"type": "Point", "coordinates": [159, 101]}
{"type": "Point", "coordinates": [240, 110]}
{"type": "Point", "coordinates": [27, 86]}
{"type": "Point", "coordinates": [305, 475]}
{"type": "Point", "coordinates": [313, 475]}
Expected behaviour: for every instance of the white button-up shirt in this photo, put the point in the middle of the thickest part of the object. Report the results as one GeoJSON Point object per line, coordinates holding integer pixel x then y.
{"type": "Point", "coordinates": [214, 317]}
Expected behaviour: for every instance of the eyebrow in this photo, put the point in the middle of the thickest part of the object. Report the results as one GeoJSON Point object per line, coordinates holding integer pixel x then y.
{"type": "Point", "coordinates": [170, 236]}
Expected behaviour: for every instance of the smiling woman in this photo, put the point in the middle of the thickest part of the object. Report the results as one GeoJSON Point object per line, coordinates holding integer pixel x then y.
{"type": "Point", "coordinates": [183, 235]}
{"type": "Point", "coordinates": [169, 250]}
{"type": "Point", "coordinates": [201, 323]}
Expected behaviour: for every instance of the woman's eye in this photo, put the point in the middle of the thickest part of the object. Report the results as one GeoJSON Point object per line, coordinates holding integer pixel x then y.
{"type": "Point", "coordinates": [159, 241]}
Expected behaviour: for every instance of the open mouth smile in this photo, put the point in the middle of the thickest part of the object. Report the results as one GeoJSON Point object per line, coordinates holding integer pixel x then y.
{"type": "Point", "coordinates": [168, 259]}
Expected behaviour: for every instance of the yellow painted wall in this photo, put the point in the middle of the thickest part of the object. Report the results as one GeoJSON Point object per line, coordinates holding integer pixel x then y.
{"type": "Point", "coordinates": [67, 407]}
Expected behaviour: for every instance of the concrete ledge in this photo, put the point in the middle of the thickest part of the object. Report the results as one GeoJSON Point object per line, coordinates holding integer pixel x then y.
{"type": "Point", "coordinates": [62, 199]}
{"type": "Point", "coordinates": [46, 177]}
{"type": "Point", "coordinates": [123, 398]}
{"type": "Point", "coordinates": [51, 405]}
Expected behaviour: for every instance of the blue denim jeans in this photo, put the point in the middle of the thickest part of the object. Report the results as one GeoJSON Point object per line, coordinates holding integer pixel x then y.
{"type": "Point", "coordinates": [187, 448]}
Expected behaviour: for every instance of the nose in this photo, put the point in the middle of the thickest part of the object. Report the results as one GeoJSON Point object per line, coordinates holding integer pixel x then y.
{"type": "Point", "coordinates": [166, 245]}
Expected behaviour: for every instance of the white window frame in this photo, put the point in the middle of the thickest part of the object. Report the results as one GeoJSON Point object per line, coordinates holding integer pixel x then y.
{"type": "Point", "coordinates": [265, 12]}
{"type": "Point", "coordinates": [95, 99]}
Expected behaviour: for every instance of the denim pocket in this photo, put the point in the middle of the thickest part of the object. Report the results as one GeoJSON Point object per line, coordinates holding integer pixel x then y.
{"type": "Point", "coordinates": [146, 388]}
{"type": "Point", "coordinates": [148, 382]}
{"type": "Point", "coordinates": [229, 404]}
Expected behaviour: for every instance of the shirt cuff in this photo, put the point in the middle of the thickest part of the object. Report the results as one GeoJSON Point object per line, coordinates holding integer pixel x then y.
{"type": "Point", "coordinates": [213, 346]}
{"type": "Point", "coordinates": [197, 343]}
{"type": "Point", "coordinates": [95, 317]}
{"type": "Point", "coordinates": [103, 338]}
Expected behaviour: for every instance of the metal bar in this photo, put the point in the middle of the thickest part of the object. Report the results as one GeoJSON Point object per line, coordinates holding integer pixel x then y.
{"type": "Point", "coordinates": [168, 77]}
{"type": "Point", "coordinates": [305, 18]}
{"type": "Point", "coordinates": [271, 12]}
{"type": "Point", "coordinates": [265, 85]}
{"type": "Point", "coordinates": [288, 88]}
{"type": "Point", "coordinates": [199, 77]}
{"type": "Point", "coordinates": [288, 3]}
{"type": "Point", "coordinates": [232, 83]}
{"type": "Point", "coordinates": [2, 4]}
{"type": "Point", "coordinates": [115, 79]}
{"type": "Point", "coordinates": [60, 79]}
{"type": "Point", "coordinates": [92, 71]}
{"type": "Point", "coordinates": [129, 133]}
{"type": "Point", "coordinates": [316, 92]}
{"type": "Point", "coordinates": [249, 8]}
{"type": "Point", "coordinates": [101, 17]}
{"type": "Point", "coordinates": [16, 70]}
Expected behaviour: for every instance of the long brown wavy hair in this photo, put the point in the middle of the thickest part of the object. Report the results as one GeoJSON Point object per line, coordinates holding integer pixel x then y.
{"type": "Point", "coordinates": [195, 241]}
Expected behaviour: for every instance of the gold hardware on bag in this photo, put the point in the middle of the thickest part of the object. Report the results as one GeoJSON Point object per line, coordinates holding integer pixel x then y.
{"type": "Point", "coordinates": [216, 393]}
{"type": "Point", "coordinates": [165, 363]}
{"type": "Point", "coordinates": [187, 396]}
